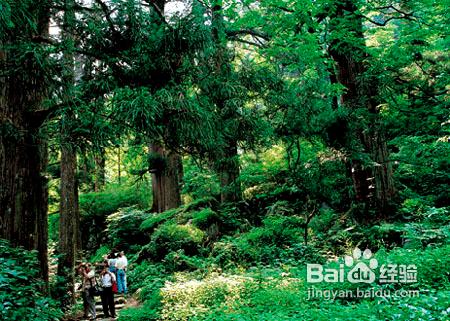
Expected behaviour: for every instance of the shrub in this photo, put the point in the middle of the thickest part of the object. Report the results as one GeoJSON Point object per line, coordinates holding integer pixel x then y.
{"type": "Point", "coordinates": [432, 265]}
{"type": "Point", "coordinates": [53, 227]}
{"type": "Point", "coordinates": [102, 204]}
{"type": "Point", "coordinates": [145, 279]}
{"type": "Point", "coordinates": [148, 311]}
{"type": "Point", "coordinates": [95, 207]}
{"type": "Point", "coordinates": [205, 218]}
{"type": "Point", "coordinates": [280, 239]}
{"type": "Point", "coordinates": [21, 297]}
{"type": "Point", "coordinates": [185, 299]}
{"type": "Point", "coordinates": [100, 253]}
{"type": "Point", "coordinates": [123, 228]}
{"type": "Point", "coordinates": [172, 237]}
{"type": "Point", "coordinates": [155, 219]}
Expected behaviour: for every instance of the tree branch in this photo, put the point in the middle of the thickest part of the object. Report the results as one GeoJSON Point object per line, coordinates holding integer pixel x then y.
{"type": "Point", "coordinates": [255, 33]}
{"type": "Point", "coordinates": [107, 13]}
{"type": "Point", "coordinates": [259, 45]}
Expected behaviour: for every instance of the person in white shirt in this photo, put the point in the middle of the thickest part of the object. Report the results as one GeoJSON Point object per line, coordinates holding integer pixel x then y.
{"type": "Point", "coordinates": [121, 267]}
{"type": "Point", "coordinates": [112, 258]}
{"type": "Point", "coordinates": [108, 280]}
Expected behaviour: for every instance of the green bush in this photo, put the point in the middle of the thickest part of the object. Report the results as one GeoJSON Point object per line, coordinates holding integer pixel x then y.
{"type": "Point", "coordinates": [172, 237]}
{"type": "Point", "coordinates": [21, 291]}
{"type": "Point", "coordinates": [100, 253]}
{"type": "Point", "coordinates": [123, 228]}
{"type": "Point", "coordinates": [199, 182]}
{"type": "Point", "coordinates": [95, 208]}
{"type": "Point", "coordinates": [274, 294]}
{"type": "Point", "coordinates": [186, 298]}
{"type": "Point", "coordinates": [205, 218]}
{"type": "Point", "coordinates": [280, 239]}
{"type": "Point", "coordinates": [179, 261]}
{"type": "Point", "coordinates": [432, 265]}
{"type": "Point", "coordinates": [155, 219]}
{"type": "Point", "coordinates": [148, 311]}
{"type": "Point", "coordinates": [101, 204]}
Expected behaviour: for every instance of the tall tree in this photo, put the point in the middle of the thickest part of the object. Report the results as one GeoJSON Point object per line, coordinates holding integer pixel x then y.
{"type": "Point", "coordinates": [23, 83]}
{"type": "Point", "coordinates": [69, 213]}
{"type": "Point", "coordinates": [165, 178]}
{"type": "Point", "coordinates": [227, 159]}
{"type": "Point", "coordinates": [371, 174]}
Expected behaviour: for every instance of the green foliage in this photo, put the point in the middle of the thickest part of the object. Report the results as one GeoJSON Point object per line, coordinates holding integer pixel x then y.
{"type": "Point", "coordinates": [172, 237]}
{"type": "Point", "coordinates": [279, 240]}
{"type": "Point", "coordinates": [123, 228]}
{"type": "Point", "coordinates": [204, 218]}
{"type": "Point", "coordinates": [99, 254]}
{"type": "Point", "coordinates": [148, 311]}
{"type": "Point", "coordinates": [53, 227]}
{"type": "Point", "coordinates": [282, 294]}
{"type": "Point", "coordinates": [21, 291]}
{"type": "Point", "coordinates": [96, 207]}
{"type": "Point", "coordinates": [432, 263]}
{"type": "Point", "coordinates": [423, 168]}
{"type": "Point", "coordinates": [155, 219]}
{"type": "Point", "coordinates": [199, 182]}
{"type": "Point", "coordinates": [102, 204]}
{"type": "Point", "coordinates": [260, 85]}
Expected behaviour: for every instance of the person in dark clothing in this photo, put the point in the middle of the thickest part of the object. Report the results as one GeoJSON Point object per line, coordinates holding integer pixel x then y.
{"type": "Point", "coordinates": [108, 279]}
{"type": "Point", "coordinates": [88, 280]}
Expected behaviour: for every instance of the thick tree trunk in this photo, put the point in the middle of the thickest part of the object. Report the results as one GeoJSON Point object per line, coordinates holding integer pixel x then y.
{"type": "Point", "coordinates": [23, 155]}
{"type": "Point", "coordinates": [23, 192]}
{"type": "Point", "coordinates": [166, 174]}
{"type": "Point", "coordinates": [69, 213]}
{"type": "Point", "coordinates": [373, 182]}
{"type": "Point", "coordinates": [69, 218]}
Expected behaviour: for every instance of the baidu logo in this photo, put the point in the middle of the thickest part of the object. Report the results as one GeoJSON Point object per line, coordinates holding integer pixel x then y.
{"type": "Point", "coordinates": [355, 270]}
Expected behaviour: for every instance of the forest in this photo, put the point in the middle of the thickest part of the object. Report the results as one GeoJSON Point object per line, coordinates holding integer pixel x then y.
{"type": "Point", "coordinates": [261, 160]}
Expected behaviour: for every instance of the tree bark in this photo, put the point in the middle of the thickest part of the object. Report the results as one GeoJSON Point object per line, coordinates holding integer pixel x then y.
{"type": "Point", "coordinates": [373, 182]}
{"type": "Point", "coordinates": [227, 159]}
{"type": "Point", "coordinates": [69, 213]}
{"type": "Point", "coordinates": [166, 173]}
{"type": "Point", "coordinates": [69, 219]}
{"type": "Point", "coordinates": [23, 152]}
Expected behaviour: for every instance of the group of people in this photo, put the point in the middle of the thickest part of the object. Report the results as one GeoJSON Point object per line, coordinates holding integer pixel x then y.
{"type": "Point", "coordinates": [112, 280]}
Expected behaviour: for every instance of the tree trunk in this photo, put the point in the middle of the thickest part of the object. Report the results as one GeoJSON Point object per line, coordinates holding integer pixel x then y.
{"type": "Point", "coordinates": [373, 182]}
{"type": "Point", "coordinates": [227, 159]}
{"type": "Point", "coordinates": [166, 173]}
{"type": "Point", "coordinates": [230, 187]}
{"type": "Point", "coordinates": [100, 162]}
{"type": "Point", "coordinates": [69, 213]}
{"type": "Point", "coordinates": [69, 219]}
{"type": "Point", "coordinates": [166, 167]}
{"type": "Point", "coordinates": [23, 154]}
{"type": "Point", "coordinates": [119, 168]}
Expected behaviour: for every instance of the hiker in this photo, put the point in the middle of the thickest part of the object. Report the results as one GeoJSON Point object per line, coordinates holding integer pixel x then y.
{"type": "Point", "coordinates": [108, 282]}
{"type": "Point", "coordinates": [112, 258]}
{"type": "Point", "coordinates": [121, 267]}
{"type": "Point", "coordinates": [88, 282]}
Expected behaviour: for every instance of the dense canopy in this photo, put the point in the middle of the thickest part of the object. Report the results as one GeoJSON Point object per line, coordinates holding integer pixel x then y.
{"type": "Point", "coordinates": [226, 147]}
